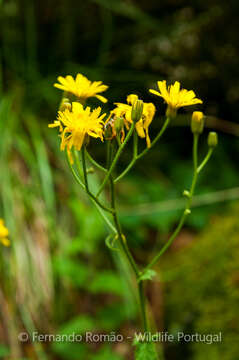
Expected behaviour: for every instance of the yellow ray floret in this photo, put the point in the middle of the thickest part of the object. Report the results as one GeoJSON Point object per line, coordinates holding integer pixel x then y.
{"type": "Point", "coordinates": [142, 126]}
{"type": "Point", "coordinates": [4, 233]}
{"type": "Point", "coordinates": [174, 96]}
{"type": "Point", "coordinates": [82, 87]}
{"type": "Point", "coordinates": [78, 123]}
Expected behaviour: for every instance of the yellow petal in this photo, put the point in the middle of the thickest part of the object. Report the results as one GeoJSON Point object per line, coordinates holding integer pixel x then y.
{"type": "Point", "coordinates": [132, 98]}
{"type": "Point", "coordinates": [5, 242]}
{"type": "Point", "coordinates": [101, 98]}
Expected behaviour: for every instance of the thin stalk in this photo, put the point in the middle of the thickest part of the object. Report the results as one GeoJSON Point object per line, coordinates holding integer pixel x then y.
{"type": "Point", "coordinates": [95, 202]}
{"type": "Point", "coordinates": [169, 242]}
{"type": "Point", "coordinates": [126, 250]}
{"type": "Point", "coordinates": [114, 162]}
{"type": "Point", "coordinates": [204, 162]}
{"type": "Point", "coordinates": [134, 159]}
{"type": "Point", "coordinates": [164, 127]}
{"type": "Point", "coordinates": [95, 163]}
{"type": "Point", "coordinates": [84, 169]}
{"type": "Point", "coordinates": [137, 156]}
{"type": "Point", "coordinates": [87, 185]}
{"type": "Point", "coordinates": [143, 305]}
{"type": "Point", "coordinates": [73, 172]}
{"type": "Point", "coordinates": [135, 145]}
{"type": "Point", "coordinates": [187, 207]}
{"type": "Point", "coordinates": [121, 236]}
{"type": "Point", "coordinates": [104, 216]}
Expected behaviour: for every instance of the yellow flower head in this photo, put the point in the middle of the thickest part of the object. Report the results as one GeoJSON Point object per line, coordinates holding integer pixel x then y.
{"type": "Point", "coordinates": [82, 87]}
{"type": "Point", "coordinates": [174, 97]}
{"type": "Point", "coordinates": [4, 233]}
{"type": "Point", "coordinates": [78, 123]}
{"type": "Point", "coordinates": [124, 110]}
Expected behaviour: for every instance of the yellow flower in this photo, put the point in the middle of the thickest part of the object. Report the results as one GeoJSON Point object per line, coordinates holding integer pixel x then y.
{"type": "Point", "coordinates": [76, 125]}
{"type": "Point", "coordinates": [82, 87]}
{"type": "Point", "coordinates": [124, 110]}
{"type": "Point", "coordinates": [174, 97]}
{"type": "Point", "coordinates": [4, 233]}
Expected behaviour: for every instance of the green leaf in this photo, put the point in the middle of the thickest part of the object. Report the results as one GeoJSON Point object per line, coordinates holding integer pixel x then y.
{"type": "Point", "coordinates": [147, 275]}
{"type": "Point", "coordinates": [72, 270]}
{"type": "Point", "coordinates": [70, 351]}
{"type": "Point", "coordinates": [145, 351]}
{"type": "Point", "coordinates": [74, 350]}
{"type": "Point", "coordinates": [113, 316]}
{"type": "Point", "coordinates": [79, 325]}
{"type": "Point", "coordinates": [106, 353]}
{"type": "Point", "coordinates": [106, 282]}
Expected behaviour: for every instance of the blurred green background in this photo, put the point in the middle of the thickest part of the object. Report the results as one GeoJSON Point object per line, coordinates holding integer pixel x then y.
{"type": "Point", "coordinates": [58, 276]}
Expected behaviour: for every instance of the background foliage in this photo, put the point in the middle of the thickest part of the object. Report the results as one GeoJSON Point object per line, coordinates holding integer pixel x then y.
{"type": "Point", "coordinates": [58, 276]}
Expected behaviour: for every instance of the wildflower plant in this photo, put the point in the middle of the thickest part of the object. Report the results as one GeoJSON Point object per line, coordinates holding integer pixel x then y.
{"type": "Point", "coordinates": [78, 124]}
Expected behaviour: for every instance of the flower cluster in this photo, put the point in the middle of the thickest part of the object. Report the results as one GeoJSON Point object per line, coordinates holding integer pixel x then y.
{"type": "Point", "coordinates": [124, 111]}
{"type": "Point", "coordinates": [77, 123]}
{"type": "Point", "coordinates": [4, 233]}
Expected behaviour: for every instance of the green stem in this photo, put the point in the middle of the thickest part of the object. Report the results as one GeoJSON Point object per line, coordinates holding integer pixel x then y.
{"type": "Point", "coordinates": [93, 199]}
{"type": "Point", "coordinates": [95, 163]}
{"type": "Point", "coordinates": [131, 164]}
{"type": "Point", "coordinates": [143, 305]}
{"type": "Point", "coordinates": [114, 162]}
{"type": "Point", "coordinates": [121, 236]}
{"type": "Point", "coordinates": [187, 207]}
{"type": "Point", "coordinates": [204, 162]}
{"type": "Point", "coordinates": [135, 153]}
{"type": "Point", "coordinates": [164, 127]}
{"type": "Point", "coordinates": [104, 216]}
{"type": "Point", "coordinates": [135, 145]}
{"type": "Point", "coordinates": [126, 251]}
{"type": "Point", "coordinates": [169, 242]}
{"type": "Point", "coordinates": [74, 173]}
{"type": "Point", "coordinates": [87, 185]}
{"type": "Point", "coordinates": [84, 169]}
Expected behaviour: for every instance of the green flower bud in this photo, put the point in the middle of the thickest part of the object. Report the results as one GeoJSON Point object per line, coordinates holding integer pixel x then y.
{"type": "Point", "coordinates": [186, 193]}
{"type": "Point", "coordinates": [108, 133]}
{"type": "Point", "coordinates": [197, 122]}
{"type": "Point", "coordinates": [137, 110]}
{"type": "Point", "coordinates": [212, 139]}
{"type": "Point", "coordinates": [118, 124]}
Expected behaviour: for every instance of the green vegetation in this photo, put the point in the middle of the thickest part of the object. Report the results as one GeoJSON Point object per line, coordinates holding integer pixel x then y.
{"type": "Point", "coordinates": [58, 276]}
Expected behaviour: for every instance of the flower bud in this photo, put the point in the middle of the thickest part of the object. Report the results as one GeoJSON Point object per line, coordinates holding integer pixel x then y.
{"type": "Point", "coordinates": [186, 193]}
{"type": "Point", "coordinates": [65, 104]}
{"type": "Point", "coordinates": [212, 139]}
{"type": "Point", "coordinates": [137, 110]}
{"type": "Point", "coordinates": [108, 132]}
{"type": "Point", "coordinates": [197, 122]}
{"type": "Point", "coordinates": [118, 124]}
